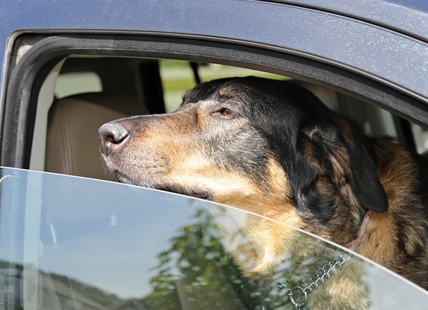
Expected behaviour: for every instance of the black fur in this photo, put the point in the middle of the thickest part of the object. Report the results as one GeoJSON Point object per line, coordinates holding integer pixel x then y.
{"type": "Point", "coordinates": [331, 173]}
{"type": "Point", "coordinates": [280, 111]}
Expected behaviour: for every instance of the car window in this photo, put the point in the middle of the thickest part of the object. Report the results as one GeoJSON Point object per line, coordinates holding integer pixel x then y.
{"type": "Point", "coordinates": [178, 77]}
{"type": "Point", "coordinates": [421, 138]}
{"type": "Point", "coordinates": [77, 243]}
{"type": "Point", "coordinates": [74, 83]}
{"type": "Point", "coordinates": [157, 84]}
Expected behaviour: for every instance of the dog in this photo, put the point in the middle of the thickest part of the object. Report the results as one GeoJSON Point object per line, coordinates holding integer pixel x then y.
{"type": "Point", "coordinates": [273, 148]}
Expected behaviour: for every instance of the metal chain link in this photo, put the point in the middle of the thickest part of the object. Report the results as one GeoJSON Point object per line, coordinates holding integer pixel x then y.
{"type": "Point", "coordinates": [325, 272]}
{"type": "Point", "coordinates": [299, 295]}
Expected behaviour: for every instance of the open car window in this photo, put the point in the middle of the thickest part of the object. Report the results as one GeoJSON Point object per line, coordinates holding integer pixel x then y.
{"type": "Point", "coordinates": [77, 243]}
{"type": "Point", "coordinates": [145, 68]}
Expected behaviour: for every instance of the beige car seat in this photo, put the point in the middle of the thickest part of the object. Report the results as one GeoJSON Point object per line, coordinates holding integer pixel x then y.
{"type": "Point", "coordinates": [72, 145]}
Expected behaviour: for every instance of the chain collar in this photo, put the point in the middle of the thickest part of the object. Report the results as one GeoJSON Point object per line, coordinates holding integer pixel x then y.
{"type": "Point", "coordinates": [299, 295]}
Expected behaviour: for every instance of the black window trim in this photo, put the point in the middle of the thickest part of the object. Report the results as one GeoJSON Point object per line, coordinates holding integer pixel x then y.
{"type": "Point", "coordinates": [25, 78]}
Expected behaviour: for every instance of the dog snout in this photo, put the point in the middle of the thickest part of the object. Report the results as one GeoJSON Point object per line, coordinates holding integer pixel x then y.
{"type": "Point", "coordinates": [112, 136]}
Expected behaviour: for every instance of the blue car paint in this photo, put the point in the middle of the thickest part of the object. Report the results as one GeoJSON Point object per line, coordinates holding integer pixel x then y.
{"type": "Point", "coordinates": [407, 16]}
{"type": "Point", "coordinates": [386, 55]}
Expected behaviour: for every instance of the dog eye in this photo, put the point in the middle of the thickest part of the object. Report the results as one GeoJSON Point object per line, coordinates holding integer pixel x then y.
{"type": "Point", "coordinates": [225, 112]}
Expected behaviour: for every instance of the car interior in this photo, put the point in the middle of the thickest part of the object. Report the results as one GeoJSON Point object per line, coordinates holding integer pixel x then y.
{"type": "Point", "coordinates": [150, 75]}
{"type": "Point", "coordinates": [82, 92]}
{"type": "Point", "coordinates": [90, 91]}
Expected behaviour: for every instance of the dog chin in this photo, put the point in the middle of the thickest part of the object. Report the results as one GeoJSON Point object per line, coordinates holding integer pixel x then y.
{"type": "Point", "coordinates": [123, 178]}
{"type": "Point", "coordinates": [125, 181]}
{"type": "Point", "coordinates": [192, 192]}
{"type": "Point", "coordinates": [196, 193]}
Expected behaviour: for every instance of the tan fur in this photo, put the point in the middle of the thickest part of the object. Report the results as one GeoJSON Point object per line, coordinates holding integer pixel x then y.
{"type": "Point", "coordinates": [397, 177]}
{"type": "Point", "coordinates": [177, 152]}
{"type": "Point", "coordinates": [344, 291]}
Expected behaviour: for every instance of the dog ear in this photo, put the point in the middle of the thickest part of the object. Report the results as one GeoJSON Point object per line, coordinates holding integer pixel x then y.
{"type": "Point", "coordinates": [365, 177]}
{"type": "Point", "coordinates": [347, 159]}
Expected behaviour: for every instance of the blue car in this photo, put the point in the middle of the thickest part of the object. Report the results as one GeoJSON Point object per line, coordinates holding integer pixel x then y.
{"type": "Point", "coordinates": [73, 238]}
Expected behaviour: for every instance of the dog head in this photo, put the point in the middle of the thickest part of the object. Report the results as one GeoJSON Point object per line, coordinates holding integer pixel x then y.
{"type": "Point", "coordinates": [270, 147]}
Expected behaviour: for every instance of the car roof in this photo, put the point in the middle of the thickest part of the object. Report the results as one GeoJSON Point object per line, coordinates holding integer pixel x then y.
{"type": "Point", "coordinates": [387, 43]}
{"type": "Point", "coordinates": [406, 16]}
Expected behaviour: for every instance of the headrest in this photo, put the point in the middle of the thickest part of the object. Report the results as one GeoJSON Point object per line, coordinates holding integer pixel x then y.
{"type": "Point", "coordinates": [72, 145]}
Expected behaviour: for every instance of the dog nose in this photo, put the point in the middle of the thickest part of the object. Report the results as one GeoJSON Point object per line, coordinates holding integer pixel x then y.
{"type": "Point", "coordinates": [112, 135]}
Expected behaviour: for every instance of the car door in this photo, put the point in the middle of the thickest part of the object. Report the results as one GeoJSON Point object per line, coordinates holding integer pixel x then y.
{"type": "Point", "coordinates": [68, 242]}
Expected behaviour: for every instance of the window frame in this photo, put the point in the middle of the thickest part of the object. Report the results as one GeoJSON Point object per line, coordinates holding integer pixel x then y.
{"type": "Point", "coordinates": [27, 77]}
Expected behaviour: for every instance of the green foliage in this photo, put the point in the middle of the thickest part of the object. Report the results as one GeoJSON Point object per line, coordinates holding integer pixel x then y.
{"type": "Point", "coordinates": [197, 272]}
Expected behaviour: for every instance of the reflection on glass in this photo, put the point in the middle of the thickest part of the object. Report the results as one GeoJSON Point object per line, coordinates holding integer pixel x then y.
{"type": "Point", "coordinates": [76, 243]}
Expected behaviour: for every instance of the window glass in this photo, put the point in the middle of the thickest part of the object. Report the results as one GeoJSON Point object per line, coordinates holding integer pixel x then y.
{"type": "Point", "coordinates": [421, 138]}
{"type": "Point", "coordinates": [76, 243]}
{"type": "Point", "coordinates": [77, 83]}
